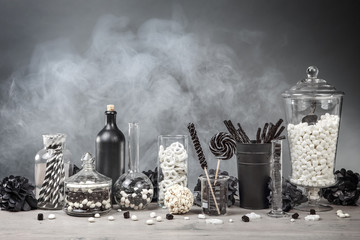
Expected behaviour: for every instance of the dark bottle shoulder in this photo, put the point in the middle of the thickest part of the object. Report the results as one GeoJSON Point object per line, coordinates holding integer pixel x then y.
{"type": "Point", "coordinates": [110, 134]}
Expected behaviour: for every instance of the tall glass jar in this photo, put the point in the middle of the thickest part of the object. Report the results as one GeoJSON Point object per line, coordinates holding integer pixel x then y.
{"type": "Point", "coordinates": [52, 166]}
{"type": "Point", "coordinates": [87, 192]}
{"type": "Point", "coordinates": [313, 111]}
{"type": "Point", "coordinates": [133, 190]}
{"type": "Point", "coordinates": [172, 164]}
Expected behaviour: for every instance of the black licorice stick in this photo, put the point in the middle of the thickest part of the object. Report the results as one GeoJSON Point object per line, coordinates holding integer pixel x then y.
{"type": "Point", "coordinates": [279, 132]}
{"type": "Point", "coordinates": [273, 130]}
{"type": "Point", "coordinates": [264, 132]}
{"type": "Point", "coordinates": [243, 134]}
{"type": "Point", "coordinates": [232, 131]}
{"type": "Point", "coordinates": [201, 156]}
{"type": "Point", "coordinates": [281, 137]}
{"type": "Point", "coordinates": [258, 135]}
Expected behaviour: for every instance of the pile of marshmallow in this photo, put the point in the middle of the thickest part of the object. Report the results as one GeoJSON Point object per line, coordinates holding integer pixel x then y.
{"type": "Point", "coordinates": [313, 149]}
{"type": "Point", "coordinates": [173, 164]}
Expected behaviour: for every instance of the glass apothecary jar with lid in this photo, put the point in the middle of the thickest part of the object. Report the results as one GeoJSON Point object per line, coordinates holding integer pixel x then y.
{"type": "Point", "coordinates": [87, 192]}
{"type": "Point", "coordinates": [313, 113]}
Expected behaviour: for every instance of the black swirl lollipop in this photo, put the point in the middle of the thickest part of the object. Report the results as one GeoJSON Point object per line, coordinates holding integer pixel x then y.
{"type": "Point", "coordinates": [222, 145]}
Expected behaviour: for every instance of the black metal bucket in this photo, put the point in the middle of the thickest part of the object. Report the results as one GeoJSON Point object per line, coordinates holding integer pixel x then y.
{"type": "Point", "coordinates": [253, 173]}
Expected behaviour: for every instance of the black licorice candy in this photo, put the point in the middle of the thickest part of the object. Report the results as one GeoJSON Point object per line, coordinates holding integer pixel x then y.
{"type": "Point", "coordinates": [312, 212]}
{"type": "Point", "coordinates": [295, 216]}
{"type": "Point", "coordinates": [169, 216]}
{"type": "Point", "coordinates": [40, 217]}
{"type": "Point", "coordinates": [127, 214]}
{"type": "Point", "coordinates": [245, 218]}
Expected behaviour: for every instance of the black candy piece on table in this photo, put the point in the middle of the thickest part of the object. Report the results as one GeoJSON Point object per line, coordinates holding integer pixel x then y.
{"type": "Point", "coordinates": [312, 212]}
{"type": "Point", "coordinates": [127, 214]}
{"type": "Point", "coordinates": [40, 217]}
{"type": "Point", "coordinates": [295, 216]}
{"type": "Point", "coordinates": [169, 216]}
{"type": "Point", "coordinates": [245, 218]}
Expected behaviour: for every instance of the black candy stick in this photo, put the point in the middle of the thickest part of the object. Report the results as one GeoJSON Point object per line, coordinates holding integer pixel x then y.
{"type": "Point", "coordinates": [258, 140]}
{"type": "Point", "coordinates": [273, 131]}
{"type": "Point", "coordinates": [201, 157]}
{"type": "Point", "coordinates": [264, 132]}
{"type": "Point", "coordinates": [243, 134]}
{"type": "Point", "coordinates": [279, 132]}
{"type": "Point", "coordinates": [232, 130]}
{"type": "Point", "coordinates": [197, 145]}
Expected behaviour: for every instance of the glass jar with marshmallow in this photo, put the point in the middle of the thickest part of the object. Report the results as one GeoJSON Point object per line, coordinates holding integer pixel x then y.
{"type": "Point", "coordinates": [313, 111]}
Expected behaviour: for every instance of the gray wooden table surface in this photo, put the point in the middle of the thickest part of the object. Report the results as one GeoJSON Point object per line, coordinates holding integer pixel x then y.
{"type": "Point", "coordinates": [24, 225]}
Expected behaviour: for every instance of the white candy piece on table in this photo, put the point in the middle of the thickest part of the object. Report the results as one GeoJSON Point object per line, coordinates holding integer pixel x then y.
{"type": "Point", "coordinates": [134, 217]}
{"type": "Point", "coordinates": [119, 210]}
{"type": "Point", "coordinates": [111, 218]}
{"type": "Point", "coordinates": [186, 218]}
{"type": "Point", "coordinates": [159, 219]}
{"type": "Point", "coordinates": [292, 220]}
{"type": "Point", "coordinates": [97, 215]}
{"type": "Point", "coordinates": [201, 216]}
{"type": "Point", "coordinates": [231, 220]}
{"type": "Point", "coordinates": [91, 219]}
{"type": "Point", "coordinates": [150, 222]}
{"type": "Point", "coordinates": [152, 214]}
{"type": "Point", "coordinates": [312, 218]}
{"type": "Point", "coordinates": [214, 221]}
{"type": "Point", "coordinates": [51, 216]}
{"type": "Point", "coordinates": [253, 216]}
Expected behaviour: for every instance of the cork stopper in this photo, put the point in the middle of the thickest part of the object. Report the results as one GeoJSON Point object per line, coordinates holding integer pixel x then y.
{"type": "Point", "coordinates": [110, 107]}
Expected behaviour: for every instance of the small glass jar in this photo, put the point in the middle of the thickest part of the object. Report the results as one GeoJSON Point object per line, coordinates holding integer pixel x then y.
{"type": "Point", "coordinates": [52, 166]}
{"type": "Point", "coordinates": [133, 190]}
{"type": "Point", "coordinates": [87, 192]}
{"type": "Point", "coordinates": [172, 164]}
{"type": "Point", "coordinates": [313, 111]}
{"type": "Point", "coordinates": [220, 189]}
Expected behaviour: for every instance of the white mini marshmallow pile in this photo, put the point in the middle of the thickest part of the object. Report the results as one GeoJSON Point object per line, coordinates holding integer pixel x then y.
{"type": "Point", "coordinates": [173, 163]}
{"type": "Point", "coordinates": [313, 149]}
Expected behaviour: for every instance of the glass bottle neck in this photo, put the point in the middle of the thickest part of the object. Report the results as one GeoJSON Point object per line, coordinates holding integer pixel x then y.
{"type": "Point", "coordinates": [134, 135]}
{"type": "Point", "coordinates": [110, 119]}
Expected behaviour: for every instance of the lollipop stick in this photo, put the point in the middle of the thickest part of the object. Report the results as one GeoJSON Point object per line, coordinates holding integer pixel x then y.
{"type": "Point", "coordinates": [212, 192]}
{"type": "Point", "coordinates": [217, 171]}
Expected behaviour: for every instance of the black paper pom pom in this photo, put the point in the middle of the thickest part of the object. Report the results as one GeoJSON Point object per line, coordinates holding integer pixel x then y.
{"type": "Point", "coordinates": [16, 194]}
{"type": "Point", "coordinates": [232, 188]}
{"type": "Point", "coordinates": [346, 192]}
{"type": "Point", "coordinates": [153, 176]}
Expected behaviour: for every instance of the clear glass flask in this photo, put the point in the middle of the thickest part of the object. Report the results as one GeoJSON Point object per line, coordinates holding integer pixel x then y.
{"type": "Point", "coordinates": [133, 190]}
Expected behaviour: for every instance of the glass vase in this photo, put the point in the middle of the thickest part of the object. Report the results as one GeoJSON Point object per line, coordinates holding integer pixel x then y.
{"type": "Point", "coordinates": [52, 166]}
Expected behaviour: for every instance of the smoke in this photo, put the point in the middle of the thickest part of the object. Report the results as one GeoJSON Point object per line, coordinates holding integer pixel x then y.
{"type": "Point", "coordinates": [159, 74]}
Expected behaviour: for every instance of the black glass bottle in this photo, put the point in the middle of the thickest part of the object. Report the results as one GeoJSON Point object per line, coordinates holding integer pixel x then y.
{"type": "Point", "coordinates": [110, 148]}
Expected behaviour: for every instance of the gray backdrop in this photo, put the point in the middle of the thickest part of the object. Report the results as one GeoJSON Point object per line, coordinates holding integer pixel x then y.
{"type": "Point", "coordinates": [164, 64]}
